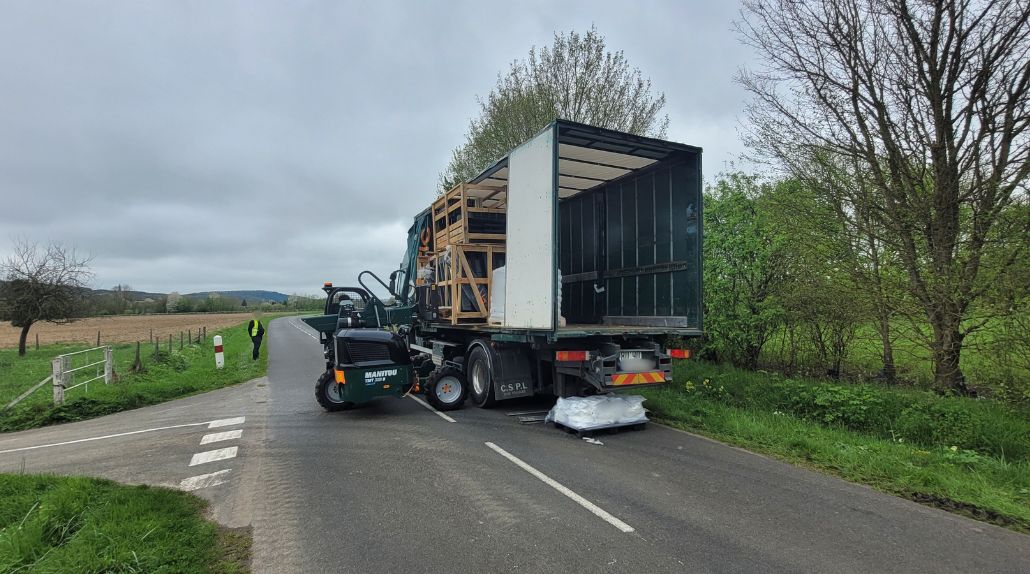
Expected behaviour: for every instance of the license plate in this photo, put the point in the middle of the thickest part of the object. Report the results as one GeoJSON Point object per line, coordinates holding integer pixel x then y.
{"type": "Point", "coordinates": [631, 355]}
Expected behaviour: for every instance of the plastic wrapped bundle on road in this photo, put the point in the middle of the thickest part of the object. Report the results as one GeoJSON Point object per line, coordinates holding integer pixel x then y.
{"type": "Point", "coordinates": [598, 412]}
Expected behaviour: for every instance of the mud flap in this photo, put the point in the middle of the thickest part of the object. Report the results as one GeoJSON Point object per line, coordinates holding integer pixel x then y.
{"type": "Point", "coordinates": [513, 374]}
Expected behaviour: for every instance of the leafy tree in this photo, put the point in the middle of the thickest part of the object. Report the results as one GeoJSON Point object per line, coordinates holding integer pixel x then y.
{"type": "Point", "coordinates": [42, 284]}
{"type": "Point", "coordinates": [745, 258]}
{"type": "Point", "coordinates": [576, 78]}
{"type": "Point", "coordinates": [931, 102]}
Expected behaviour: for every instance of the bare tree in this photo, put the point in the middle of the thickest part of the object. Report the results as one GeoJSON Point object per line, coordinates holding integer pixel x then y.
{"type": "Point", "coordinates": [931, 100]}
{"type": "Point", "coordinates": [576, 78]}
{"type": "Point", "coordinates": [42, 284]}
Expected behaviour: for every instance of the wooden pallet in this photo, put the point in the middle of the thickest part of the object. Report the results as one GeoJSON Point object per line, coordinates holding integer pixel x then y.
{"type": "Point", "coordinates": [457, 213]}
{"type": "Point", "coordinates": [455, 274]}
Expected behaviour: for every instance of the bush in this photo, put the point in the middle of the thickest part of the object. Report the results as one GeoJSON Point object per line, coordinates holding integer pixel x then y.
{"type": "Point", "coordinates": [856, 408]}
{"type": "Point", "coordinates": [919, 417]}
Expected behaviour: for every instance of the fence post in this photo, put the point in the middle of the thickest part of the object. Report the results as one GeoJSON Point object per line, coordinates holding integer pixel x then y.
{"type": "Point", "coordinates": [109, 364]}
{"type": "Point", "coordinates": [169, 342]}
{"type": "Point", "coordinates": [98, 337]}
{"type": "Point", "coordinates": [151, 335]}
{"type": "Point", "coordinates": [180, 340]}
{"type": "Point", "coordinates": [58, 372]}
{"type": "Point", "coordinates": [37, 341]}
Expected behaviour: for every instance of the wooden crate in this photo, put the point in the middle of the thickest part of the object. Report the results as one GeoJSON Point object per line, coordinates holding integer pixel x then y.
{"type": "Point", "coordinates": [466, 272]}
{"type": "Point", "coordinates": [461, 214]}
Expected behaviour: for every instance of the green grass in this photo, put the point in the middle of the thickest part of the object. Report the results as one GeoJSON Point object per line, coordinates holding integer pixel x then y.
{"type": "Point", "coordinates": [77, 524]}
{"type": "Point", "coordinates": [168, 376]}
{"type": "Point", "coordinates": [978, 466]}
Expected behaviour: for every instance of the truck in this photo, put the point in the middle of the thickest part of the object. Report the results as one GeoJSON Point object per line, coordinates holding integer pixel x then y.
{"type": "Point", "coordinates": [571, 267]}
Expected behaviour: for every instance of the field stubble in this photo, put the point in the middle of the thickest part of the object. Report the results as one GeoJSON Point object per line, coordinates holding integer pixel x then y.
{"type": "Point", "coordinates": [119, 329]}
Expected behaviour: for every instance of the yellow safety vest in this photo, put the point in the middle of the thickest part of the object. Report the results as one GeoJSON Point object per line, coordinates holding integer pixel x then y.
{"type": "Point", "coordinates": [254, 325]}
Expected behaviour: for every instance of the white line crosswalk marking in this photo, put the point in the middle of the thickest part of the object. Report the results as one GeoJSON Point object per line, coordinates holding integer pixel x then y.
{"type": "Point", "coordinates": [220, 436]}
{"type": "Point", "coordinates": [226, 422]}
{"type": "Point", "coordinates": [204, 480]}
{"type": "Point", "coordinates": [213, 455]}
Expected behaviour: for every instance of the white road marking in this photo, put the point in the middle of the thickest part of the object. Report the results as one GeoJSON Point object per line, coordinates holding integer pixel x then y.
{"type": "Point", "coordinates": [213, 455]}
{"type": "Point", "coordinates": [220, 436]}
{"type": "Point", "coordinates": [430, 407]}
{"type": "Point", "coordinates": [562, 489]}
{"type": "Point", "coordinates": [226, 422]}
{"type": "Point", "coordinates": [76, 441]}
{"type": "Point", "coordinates": [298, 327]}
{"type": "Point", "coordinates": [204, 480]}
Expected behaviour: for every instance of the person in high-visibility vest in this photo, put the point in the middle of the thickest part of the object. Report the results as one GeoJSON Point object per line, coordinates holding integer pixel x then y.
{"type": "Point", "coordinates": [256, 331]}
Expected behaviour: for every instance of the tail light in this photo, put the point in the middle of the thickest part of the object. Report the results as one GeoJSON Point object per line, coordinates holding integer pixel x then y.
{"type": "Point", "coordinates": [679, 353]}
{"type": "Point", "coordinates": [571, 356]}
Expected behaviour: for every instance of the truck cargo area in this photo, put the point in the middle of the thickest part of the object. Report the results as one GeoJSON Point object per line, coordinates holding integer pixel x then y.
{"type": "Point", "coordinates": [604, 228]}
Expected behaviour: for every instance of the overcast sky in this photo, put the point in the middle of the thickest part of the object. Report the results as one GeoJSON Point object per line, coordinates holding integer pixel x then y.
{"type": "Point", "coordinates": [208, 145]}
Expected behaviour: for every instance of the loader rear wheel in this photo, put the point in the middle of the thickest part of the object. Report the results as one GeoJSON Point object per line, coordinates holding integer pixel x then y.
{"type": "Point", "coordinates": [329, 395]}
{"type": "Point", "coordinates": [446, 389]}
{"type": "Point", "coordinates": [481, 378]}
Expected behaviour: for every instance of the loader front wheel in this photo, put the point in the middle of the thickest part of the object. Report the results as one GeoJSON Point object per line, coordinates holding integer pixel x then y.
{"type": "Point", "coordinates": [329, 394]}
{"type": "Point", "coordinates": [446, 389]}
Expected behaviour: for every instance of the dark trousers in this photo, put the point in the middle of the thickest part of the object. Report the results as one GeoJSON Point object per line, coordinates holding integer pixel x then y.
{"type": "Point", "coordinates": [257, 345]}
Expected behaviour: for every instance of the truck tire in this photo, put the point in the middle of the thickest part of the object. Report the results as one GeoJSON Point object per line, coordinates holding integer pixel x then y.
{"type": "Point", "coordinates": [481, 378]}
{"type": "Point", "coordinates": [446, 389]}
{"type": "Point", "coordinates": [326, 396]}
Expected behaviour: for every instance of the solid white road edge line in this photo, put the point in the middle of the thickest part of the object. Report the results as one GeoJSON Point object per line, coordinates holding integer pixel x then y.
{"type": "Point", "coordinates": [226, 422]}
{"type": "Point", "coordinates": [562, 489]}
{"type": "Point", "coordinates": [204, 480]}
{"type": "Point", "coordinates": [220, 436]}
{"type": "Point", "coordinates": [213, 455]}
{"type": "Point", "coordinates": [76, 441]}
{"type": "Point", "coordinates": [430, 407]}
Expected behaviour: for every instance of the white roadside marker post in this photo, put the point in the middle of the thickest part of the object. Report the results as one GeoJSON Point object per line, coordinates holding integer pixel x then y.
{"type": "Point", "coordinates": [219, 356]}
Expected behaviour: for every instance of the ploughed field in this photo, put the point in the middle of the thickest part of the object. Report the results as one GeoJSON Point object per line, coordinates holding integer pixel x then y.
{"type": "Point", "coordinates": [119, 329]}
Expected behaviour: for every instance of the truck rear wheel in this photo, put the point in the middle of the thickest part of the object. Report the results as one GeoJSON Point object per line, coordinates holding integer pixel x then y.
{"type": "Point", "coordinates": [329, 395]}
{"type": "Point", "coordinates": [481, 379]}
{"type": "Point", "coordinates": [446, 389]}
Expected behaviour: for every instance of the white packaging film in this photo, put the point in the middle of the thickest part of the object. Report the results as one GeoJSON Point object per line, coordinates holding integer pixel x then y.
{"type": "Point", "coordinates": [497, 297]}
{"type": "Point", "coordinates": [584, 413]}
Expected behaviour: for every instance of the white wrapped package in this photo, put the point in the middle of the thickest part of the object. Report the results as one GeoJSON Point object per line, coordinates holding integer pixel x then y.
{"type": "Point", "coordinates": [497, 297]}
{"type": "Point", "coordinates": [584, 413]}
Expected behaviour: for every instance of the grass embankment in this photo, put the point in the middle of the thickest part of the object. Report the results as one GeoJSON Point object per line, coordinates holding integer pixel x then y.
{"type": "Point", "coordinates": [964, 455]}
{"type": "Point", "coordinates": [76, 524]}
{"type": "Point", "coordinates": [169, 375]}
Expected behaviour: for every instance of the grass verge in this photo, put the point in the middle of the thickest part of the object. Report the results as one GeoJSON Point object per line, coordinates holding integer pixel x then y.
{"type": "Point", "coordinates": [765, 414]}
{"type": "Point", "coordinates": [78, 524]}
{"type": "Point", "coordinates": [168, 375]}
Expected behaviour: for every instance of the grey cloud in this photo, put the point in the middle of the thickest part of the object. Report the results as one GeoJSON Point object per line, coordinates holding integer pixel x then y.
{"type": "Point", "coordinates": [199, 145]}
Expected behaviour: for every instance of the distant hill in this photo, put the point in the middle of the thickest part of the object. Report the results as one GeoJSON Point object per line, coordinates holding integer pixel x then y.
{"type": "Point", "coordinates": [251, 295]}
{"type": "Point", "coordinates": [248, 295]}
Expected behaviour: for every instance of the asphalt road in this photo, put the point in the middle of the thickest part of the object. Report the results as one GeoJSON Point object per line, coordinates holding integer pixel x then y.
{"type": "Point", "coordinates": [393, 487]}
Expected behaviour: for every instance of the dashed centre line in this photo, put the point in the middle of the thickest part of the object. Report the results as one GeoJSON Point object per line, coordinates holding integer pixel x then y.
{"type": "Point", "coordinates": [220, 436]}
{"type": "Point", "coordinates": [597, 510]}
{"type": "Point", "coordinates": [214, 455]}
{"type": "Point", "coordinates": [430, 407]}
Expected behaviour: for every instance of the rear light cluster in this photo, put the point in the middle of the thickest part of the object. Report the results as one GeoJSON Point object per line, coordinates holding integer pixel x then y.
{"type": "Point", "coordinates": [572, 356]}
{"type": "Point", "coordinates": [679, 353]}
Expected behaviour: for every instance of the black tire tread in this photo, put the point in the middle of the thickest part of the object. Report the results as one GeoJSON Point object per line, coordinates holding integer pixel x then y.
{"type": "Point", "coordinates": [323, 400]}
{"type": "Point", "coordinates": [436, 375]}
{"type": "Point", "coordinates": [489, 400]}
